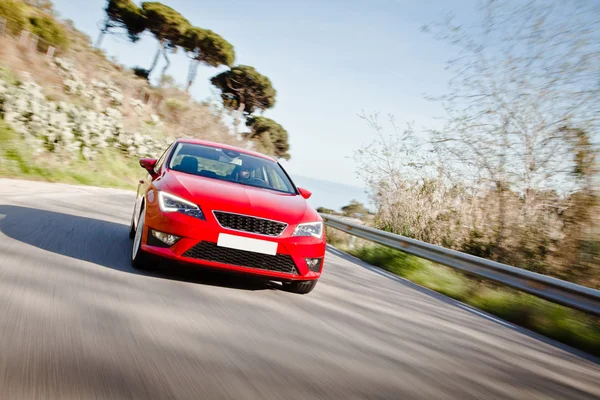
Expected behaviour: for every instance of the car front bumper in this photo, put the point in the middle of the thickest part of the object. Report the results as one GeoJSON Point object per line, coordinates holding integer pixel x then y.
{"type": "Point", "coordinates": [198, 246]}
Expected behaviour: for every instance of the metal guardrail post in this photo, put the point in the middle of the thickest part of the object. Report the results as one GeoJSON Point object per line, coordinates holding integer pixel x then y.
{"type": "Point", "coordinates": [555, 290]}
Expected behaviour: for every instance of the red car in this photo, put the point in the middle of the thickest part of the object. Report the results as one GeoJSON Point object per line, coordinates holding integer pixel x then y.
{"type": "Point", "coordinates": [219, 206]}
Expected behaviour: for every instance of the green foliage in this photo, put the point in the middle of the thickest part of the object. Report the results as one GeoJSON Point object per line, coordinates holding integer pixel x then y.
{"type": "Point", "coordinates": [174, 105]}
{"type": "Point", "coordinates": [442, 280]}
{"type": "Point", "coordinates": [9, 77]}
{"type": "Point", "coordinates": [337, 238]}
{"type": "Point", "coordinates": [175, 109]}
{"type": "Point", "coordinates": [127, 15]}
{"type": "Point", "coordinates": [45, 5]}
{"type": "Point", "coordinates": [166, 24]}
{"type": "Point", "coordinates": [355, 209]}
{"type": "Point", "coordinates": [269, 135]}
{"type": "Point", "coordinates": [208, 47]}
{"type": "Point", "coordinates": [111, 169]}
{"type": "Point", "coordinates": [325, 210]}
{"type": "Point", "coordinates": [399, 263]}
{"type": "Point", "coordinates": [243, 86]}
{"type": "Point", "coordinates": [15, 14]}
{"type": "Point", "coordinates": [49, 30]}
{"type": "Point", "coordinates": [557, 322]}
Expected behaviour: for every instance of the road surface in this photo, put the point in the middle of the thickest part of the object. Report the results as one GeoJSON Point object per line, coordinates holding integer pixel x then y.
{"type": "Point", "coordinates": [77, 322]}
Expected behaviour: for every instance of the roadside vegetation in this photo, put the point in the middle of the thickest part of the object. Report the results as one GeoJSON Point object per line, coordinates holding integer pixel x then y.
{"type": "Point", "coordinates": [512, 175]}
{"type": "Point", "coordinates": [556, 322]}
{"type": "Point", "coordinates": [87, 108]}
{"type": "Point", "coordinates": [560, 323]}
{"type": "Point", "coordinates": [109, 169]}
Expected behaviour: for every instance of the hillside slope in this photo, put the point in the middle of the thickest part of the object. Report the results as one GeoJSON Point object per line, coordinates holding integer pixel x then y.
{"type": "Point", "coordinates": [65, 105]}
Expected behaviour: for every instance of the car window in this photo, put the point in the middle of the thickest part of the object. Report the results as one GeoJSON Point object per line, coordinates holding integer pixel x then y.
{"type": "Point", "coordinates": [224, 164]}
{"type": "Point", "coordinates": [275, 180]}
{"type": "Point", "coordinates": [161, 160]}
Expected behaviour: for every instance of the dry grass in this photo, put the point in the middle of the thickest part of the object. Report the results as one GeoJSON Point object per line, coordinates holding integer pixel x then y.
{"type": "Point", "coordinates": [19, 58]}
{"type": "Point", "coordinates": [192, 120]}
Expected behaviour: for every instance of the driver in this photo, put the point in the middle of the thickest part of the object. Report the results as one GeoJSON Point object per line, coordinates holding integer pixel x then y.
{"type": "Point", "coordinates": [244, 174]}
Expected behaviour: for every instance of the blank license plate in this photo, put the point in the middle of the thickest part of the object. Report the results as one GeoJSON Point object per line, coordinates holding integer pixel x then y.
{"type": "Point", "coordinates": [247, 244]}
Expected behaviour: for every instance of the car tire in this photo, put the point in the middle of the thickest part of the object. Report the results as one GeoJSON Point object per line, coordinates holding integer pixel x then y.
{"type": "Point", "coordinates": [299, 287]}
{"type": "Point", "coordinates": [139, 258]}
{"type": "Point", "coordinates": [132, 226]}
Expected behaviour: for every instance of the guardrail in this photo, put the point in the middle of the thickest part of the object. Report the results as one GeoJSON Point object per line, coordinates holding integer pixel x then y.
{"type": "Point", "coordinates": [552, 289]}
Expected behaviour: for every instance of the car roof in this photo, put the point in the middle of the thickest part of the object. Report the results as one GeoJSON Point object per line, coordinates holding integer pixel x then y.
{"type": "Point", "coordinates": [226, 147]}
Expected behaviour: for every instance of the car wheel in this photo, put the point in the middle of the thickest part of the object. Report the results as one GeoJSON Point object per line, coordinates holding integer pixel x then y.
{"type": "Point", "coordinates": [132, 226]}
{"type": "Point", "coordinates": [139, 258]}
{"type": "Point", "coordinates": [299, 287]}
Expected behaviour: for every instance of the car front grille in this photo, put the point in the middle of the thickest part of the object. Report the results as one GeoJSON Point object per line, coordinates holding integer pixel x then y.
{"type": "Point", "coordinates": [250, 224]}
{"type": "Point", "coordinates": [211, 252]}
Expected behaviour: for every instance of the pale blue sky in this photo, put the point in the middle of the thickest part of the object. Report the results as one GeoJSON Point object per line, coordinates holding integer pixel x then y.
{"type": "Point", "coordinates": [328, 61]}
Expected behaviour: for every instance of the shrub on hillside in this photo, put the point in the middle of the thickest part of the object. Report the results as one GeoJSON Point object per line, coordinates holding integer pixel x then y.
{"type": "Point", "coordinates": [67, 129]}
{"type": "Point", "coordinates": [141, 72]}
{"type": "Point", "coordinates": [49, 30]}
{"type": "Point", "coordinates": [175, 108]}
{"type": "Point", "coordinates": [14, 14]}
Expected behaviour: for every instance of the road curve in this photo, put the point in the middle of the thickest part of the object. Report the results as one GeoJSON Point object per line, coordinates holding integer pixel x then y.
{"type": "Point", "coordinates": [76, 322]}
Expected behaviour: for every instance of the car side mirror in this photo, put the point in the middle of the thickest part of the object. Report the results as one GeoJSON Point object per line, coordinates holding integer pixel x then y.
{"type": "Point", "coordinates": [148, 164]}
{"type": "Point", "coordinates": [305, 193]}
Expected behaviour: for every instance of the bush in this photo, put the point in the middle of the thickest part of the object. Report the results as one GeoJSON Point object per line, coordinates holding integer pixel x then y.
{"type": "Point", "coordinates": [14, 14]}
{"type": "Point", "coordinates": [141, 72]}
{"type": "Point", "coordinates": [442, 280]}
{"type": "Point", "coordinates": [49, 30]}
{"type": "Point", "coordinates": [337, 238]}
{"type": "Point", "coordinates": [175, 108]}
{"type": "Point", "coordinates": [389, 259]}
{"type": "Point", "coordinates": [557, 322]}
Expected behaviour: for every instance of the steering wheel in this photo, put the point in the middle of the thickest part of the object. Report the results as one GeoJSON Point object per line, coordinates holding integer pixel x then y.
{"type": "Point", "coordinates": [258, 181]}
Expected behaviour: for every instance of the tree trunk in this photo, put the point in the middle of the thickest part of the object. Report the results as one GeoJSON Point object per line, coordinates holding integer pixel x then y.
{"type": "Point", "coordinates": [100, 38]}
{"type": "Point", "coordinates": [155, 61]}
{"type": "Point", "coordinates": [237, 118]}
{"type": "Point", "coordinates": [164, 71]}
{"type": "Point", "coordinates": [192, 72]}
{"type": "Point", "coordinates": [103, 32]}
{"type": "Point", "coordinates": [501, 190]}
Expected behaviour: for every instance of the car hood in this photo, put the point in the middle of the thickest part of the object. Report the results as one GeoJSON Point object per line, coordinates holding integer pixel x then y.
{"type": "Point", "coordinates": [213, 194]}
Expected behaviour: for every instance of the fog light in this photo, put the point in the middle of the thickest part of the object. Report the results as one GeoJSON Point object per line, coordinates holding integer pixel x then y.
{"type": "Point", "coordinates": [166, 238]}
{"type": "Point", "coordinates": [314, 264]}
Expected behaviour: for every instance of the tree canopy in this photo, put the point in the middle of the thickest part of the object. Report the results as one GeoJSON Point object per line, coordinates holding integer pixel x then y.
{"type": "Point", "coordinates": [244, 90]}
{"type": "Point", "coordinates": [166, 24]}
{"type": "Point", "coordinates": [355, 208]}
{"type": "Point", "coordinates": [242, 87]}
{"type": "Point", "coordinates": [325, 210]}
{"type": "Point", "coordinates": [269, 135]}
{"type": "Point", "coordinates": [208, 47]}
{"type": "Point", "coordinates": [127, 15]}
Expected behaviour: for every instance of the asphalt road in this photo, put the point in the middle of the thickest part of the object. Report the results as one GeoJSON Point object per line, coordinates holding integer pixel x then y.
{"type": "Point", "coordinates": [76, 322]}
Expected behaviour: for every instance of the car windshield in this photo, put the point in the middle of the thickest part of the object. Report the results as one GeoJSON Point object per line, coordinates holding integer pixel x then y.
{"type": "Point", "coordinates": [231, 166]}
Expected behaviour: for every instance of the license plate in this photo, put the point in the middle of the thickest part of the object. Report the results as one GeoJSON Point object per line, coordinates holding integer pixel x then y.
{"type": "Point", "coordinates": [247, 244]}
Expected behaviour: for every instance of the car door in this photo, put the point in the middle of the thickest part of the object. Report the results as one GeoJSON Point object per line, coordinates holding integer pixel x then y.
{"type": "Point", "coordinates": [144, 184]}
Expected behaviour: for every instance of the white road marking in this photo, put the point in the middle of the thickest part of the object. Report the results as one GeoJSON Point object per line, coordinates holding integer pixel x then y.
{"type": "Point", "coordinates": [474, 310]}
{"type": "Point", "coordinates": [401, 279]}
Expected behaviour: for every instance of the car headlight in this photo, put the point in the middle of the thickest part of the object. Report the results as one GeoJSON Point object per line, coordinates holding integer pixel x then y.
{"type": "Point", "coordinates": [171, 203]}
{"type": "Point", "coordinates": [314, 229]}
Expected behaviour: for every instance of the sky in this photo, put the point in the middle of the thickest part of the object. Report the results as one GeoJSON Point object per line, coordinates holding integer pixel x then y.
{"type": "Point", "coordinates": [328, 60]}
